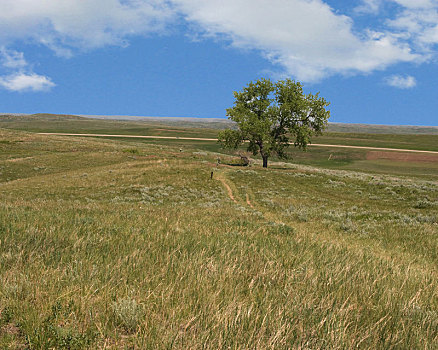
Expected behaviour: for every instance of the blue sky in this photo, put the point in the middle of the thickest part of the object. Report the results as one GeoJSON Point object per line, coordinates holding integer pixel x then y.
{"type": "Point", "coordinates": [374, 60]}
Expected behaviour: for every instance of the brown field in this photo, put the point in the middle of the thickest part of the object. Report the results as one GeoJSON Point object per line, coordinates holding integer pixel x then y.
{"type": "Point", "coordinates": [402, 156]}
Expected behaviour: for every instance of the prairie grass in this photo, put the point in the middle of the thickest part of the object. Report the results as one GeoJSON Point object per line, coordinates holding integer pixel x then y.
{"type": "Point", "coordinates": [103, 247]}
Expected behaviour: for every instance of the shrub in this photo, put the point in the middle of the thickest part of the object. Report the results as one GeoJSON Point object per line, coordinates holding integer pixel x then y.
{"type": "Point", "coordinates": [423, 204]}
{"type": "Point", "coordinates": [128, 313]}
{"type": "Point", "coordinates": [281, 229]}
{"type": "Point", "coordinates": [131, 150]}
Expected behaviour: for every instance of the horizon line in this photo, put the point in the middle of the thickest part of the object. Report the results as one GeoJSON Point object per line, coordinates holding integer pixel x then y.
{"type": "Point", "coordinates": [115, 116]}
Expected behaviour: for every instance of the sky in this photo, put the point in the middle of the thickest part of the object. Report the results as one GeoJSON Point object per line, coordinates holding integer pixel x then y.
{"type": "Point", "coordinates": [376, 61]}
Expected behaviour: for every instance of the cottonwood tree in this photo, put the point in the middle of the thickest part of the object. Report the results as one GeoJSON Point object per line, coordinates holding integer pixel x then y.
{"type": "Point", "coordinates": [271, 116]}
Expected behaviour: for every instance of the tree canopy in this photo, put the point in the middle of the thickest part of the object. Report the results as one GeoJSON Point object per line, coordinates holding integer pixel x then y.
{"type": "Point", "coordinates": [271, 116]}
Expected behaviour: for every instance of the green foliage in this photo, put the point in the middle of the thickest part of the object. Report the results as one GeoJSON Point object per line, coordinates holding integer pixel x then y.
{"type": "Point", "coordinates": [424, 203]}
{"type": "Point", "coordinates": [270, 115]}
{"type": "Point", "coordinates": [280, 229]}
{"type": "Point", "coordinates": [230, 138]}
{"type": "Point", "coordinates": [54, 334]}
{"type": "Point", "coordinates": [6, 315]}
{"type": "Point", "coordinates": [131, 150]}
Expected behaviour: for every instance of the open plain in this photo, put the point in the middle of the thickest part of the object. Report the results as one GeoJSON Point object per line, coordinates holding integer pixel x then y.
{"type": "Point", "coordinates": [116, 243]}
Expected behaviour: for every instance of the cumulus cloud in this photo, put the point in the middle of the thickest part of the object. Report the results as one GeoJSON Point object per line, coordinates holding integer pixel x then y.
{"type": "Point", "coordinates": [401, 82]}
{"type": "Point", "coordinates": [306, 37]}
{"type": "Point", "coordinates": [19, 76]}
{"type": "Point", "coordinates": [67, 26]}
{"type": "Point", "coordinates": [80, 24]}
{"type": "Point", "coordinates": [21, 82]}
{"type": "Point", "coordinates": [420, 24]}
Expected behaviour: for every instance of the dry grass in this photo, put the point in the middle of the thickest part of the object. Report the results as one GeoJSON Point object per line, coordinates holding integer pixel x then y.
{"type": "Point", "coordinates": [104, 248]}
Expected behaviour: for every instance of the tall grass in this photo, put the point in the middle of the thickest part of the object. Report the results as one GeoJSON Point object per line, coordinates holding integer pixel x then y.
{"type": "Point", "coordinates": [115, 249]}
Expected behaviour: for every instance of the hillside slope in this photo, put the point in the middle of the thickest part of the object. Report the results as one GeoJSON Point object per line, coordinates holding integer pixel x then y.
{"type": "Point", "coordinates": [113, 244]}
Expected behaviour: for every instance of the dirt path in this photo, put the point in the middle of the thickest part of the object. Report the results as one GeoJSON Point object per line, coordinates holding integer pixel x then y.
{"type": "Point", "coordinates": [228, 188]}
{"type": "Point", "coordinates": [130, 136]}
{"type": "Point", "coordinates": [13, 160]}
{"type": "Point", "coordinates": [248, 201]}
{"type": "Point", "coordinates": [206, 139]}
{"type": "Point", "coordinates": [267, 215]}
{"type": "Point", "coordinates": [222, 179]}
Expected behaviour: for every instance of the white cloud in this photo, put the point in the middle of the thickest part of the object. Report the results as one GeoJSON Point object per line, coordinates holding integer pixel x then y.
{"type": "Point", "coordinates": [401, 82]}
{"type": "Point", "coordinates": [67, 25]}
{"type": "Point", "coordinates": [80, 24]}
{"type": "Point", "coordinates": [416, 4]}
{"type": "Point", "coordinates": [369, 6]}
{"type": "Point", "coordinates": [306, 37]}
{"type": "Point", "coordinates": [20, 77]}
{"type": "Point", "coordinates": [11, 58]}
{"type": "Point", "coordinates": [21, 82]}
{"type": "Point", "coordinates": [421, 24]}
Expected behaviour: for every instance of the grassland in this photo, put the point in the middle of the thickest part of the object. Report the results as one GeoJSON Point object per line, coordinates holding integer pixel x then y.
{"type": "Point", "coordinates": [354, 137]}
{"type": "Point", "coordinates": [327, 157]}
{"type": "Point", "coordinates": [123, 244]}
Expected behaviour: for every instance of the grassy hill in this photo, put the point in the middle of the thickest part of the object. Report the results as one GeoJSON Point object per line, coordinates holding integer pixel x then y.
{"type": "Point", "coordinates": [125, 244]}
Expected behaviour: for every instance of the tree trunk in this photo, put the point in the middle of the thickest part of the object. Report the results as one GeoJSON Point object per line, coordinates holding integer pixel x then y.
{"type": "Point", "coordinates": [263, 154]}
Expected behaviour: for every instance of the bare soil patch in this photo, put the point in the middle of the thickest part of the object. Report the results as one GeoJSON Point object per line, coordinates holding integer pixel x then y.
{"type": "Point", "coordinates": [404, 157]}
{"type": "Point", "coordinates": [10, 329]}
{"type": "Point", "coordinates": [18, 159]}
{"type": "Point", "coordinates": [174, 130]}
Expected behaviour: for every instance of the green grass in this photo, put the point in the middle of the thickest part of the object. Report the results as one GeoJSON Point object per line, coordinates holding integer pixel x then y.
{"type": "Point", "coordinates": [378, 136]}
{"type": "Point", "coordinates": [322, 157]}
{"type": "Point", "coordinates": [117, 244]}
{"type": "Point", "coordinates": [327, 157]}
{"type": "Point", "coordinates": [73, 124]}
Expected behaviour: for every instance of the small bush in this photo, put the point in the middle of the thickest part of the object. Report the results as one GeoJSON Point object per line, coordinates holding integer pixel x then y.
{"type": "Point", "coordinates": [128, 313]}
{"type": "Point", "coordinates": [131, 150]}
{"type": "Point", "coordinates": [347, 225]}
{"type": "Point", "coordinates": [423, 204]}
{"type": "Point", "coordinates": [6, 315]}
{"type": "Point", "coordinates": [281, 229]}
{"type": "Point", "coordinates": [67, 338]}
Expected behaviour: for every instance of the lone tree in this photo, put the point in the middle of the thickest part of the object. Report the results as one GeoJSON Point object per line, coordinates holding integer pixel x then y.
{"type": "Point", "coordinates": [270, 116]}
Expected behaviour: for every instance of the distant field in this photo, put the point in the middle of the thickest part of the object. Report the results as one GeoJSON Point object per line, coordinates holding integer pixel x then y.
{"type": "Point", "coordinates": [334, 158]}
{"type": "Point", "coordinates": [382, 129]}
{"type": "Point", "coordinates": [53, 123]}
{"type": "Point", "coordinates": [134, 125]}
{"type": "Point", "coordinates": [128, 244]}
